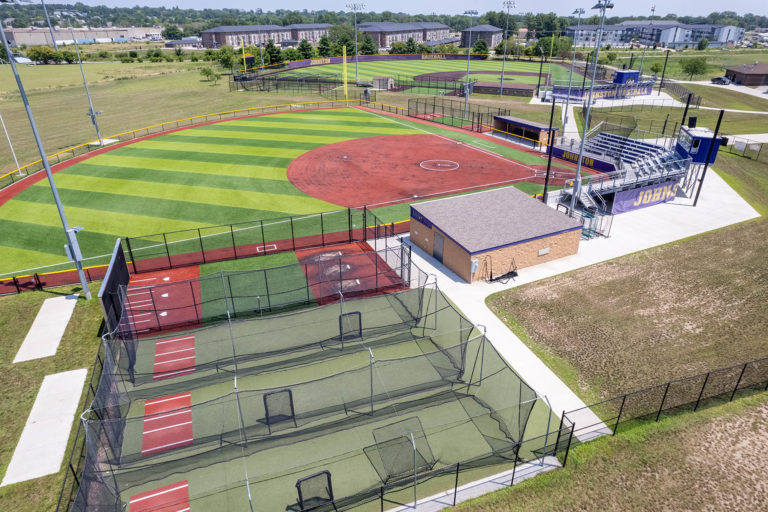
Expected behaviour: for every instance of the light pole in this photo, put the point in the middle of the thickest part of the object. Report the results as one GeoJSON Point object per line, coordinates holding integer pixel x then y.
{"type": "Point", "coordinates": [578, 11]}
{"type": "Point", "coordinates": [469, 13]}
{"type": "Point", "coordinates": [50, 27]}
{"type": "Point", "coordinates": [354, 7]}
{"type": "Point", "coordinates": [508, 4]}
{"type": "Point", "coordinates": [92, 113]}
{"type": "Point", "coordinates": [72, 247]}
{"type": "Point", "coordinates": [650, 24]}
{"type": "Point", "coordinates": [602, 5]}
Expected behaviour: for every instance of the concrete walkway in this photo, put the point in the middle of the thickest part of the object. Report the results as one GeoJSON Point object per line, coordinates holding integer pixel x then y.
{"type": "Point", "coordinates": [719, 206]}
{"type": "Point", "coordinates": [44, 336]}
{"type": "Point", "coordinates": [42, 443]}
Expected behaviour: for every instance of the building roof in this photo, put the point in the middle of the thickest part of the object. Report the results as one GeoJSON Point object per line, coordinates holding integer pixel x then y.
{"type": "Point", "coordinates": [309, 25]}
{"type": "Point", "coordinates": [245, 28]}
{"type": "Point", "coordinates": [493, 219]}
{"type": "Point", "coordinates": [447, 40]}
{"type": "Point", "coordinates": [389, 26]}
{"type": "Point", "coordinates": [758, 68]}
{"type": "Point", "coordinates": [482, 28]}
{"type": "Point", "coordinates": [527, 123]}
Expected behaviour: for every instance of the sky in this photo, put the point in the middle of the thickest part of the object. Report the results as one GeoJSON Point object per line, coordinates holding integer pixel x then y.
{"type": "Point", "coordinates": [561, 7]}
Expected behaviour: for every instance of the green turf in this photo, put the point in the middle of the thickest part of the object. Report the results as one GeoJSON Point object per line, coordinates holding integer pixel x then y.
{"type": "Point", "coordinates": [257, 262]}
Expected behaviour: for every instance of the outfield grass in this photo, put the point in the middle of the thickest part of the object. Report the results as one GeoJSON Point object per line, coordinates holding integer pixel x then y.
{"type": "Point", "coordinates": [411, 68]}
{"type": "Point", "coordinates": [717, 452]}
{"type": "Point", "coordinates": [656, 315]}
{"type": "Point", "coordinates": [720, 96]}
{"type": "Point", "coordinates": [21, 382]}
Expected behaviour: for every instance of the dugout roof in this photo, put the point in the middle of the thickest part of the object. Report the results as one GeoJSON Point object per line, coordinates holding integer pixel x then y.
{"type": "Point", "coordinates": [533, 125]}
{"type": "Point", "coordinates": [493, 219]}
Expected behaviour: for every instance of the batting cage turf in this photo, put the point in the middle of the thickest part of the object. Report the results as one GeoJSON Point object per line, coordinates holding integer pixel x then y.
{"type": "Point", "coordinates": [261, 167]}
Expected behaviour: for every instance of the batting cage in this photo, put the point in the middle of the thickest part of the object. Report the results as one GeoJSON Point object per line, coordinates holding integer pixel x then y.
{"type": "Point", "coordinates": [378, 398]}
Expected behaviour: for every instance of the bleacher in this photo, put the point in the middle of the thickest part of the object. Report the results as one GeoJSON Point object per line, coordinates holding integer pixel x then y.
{"type": "Point", "coordinates": [637, 157]}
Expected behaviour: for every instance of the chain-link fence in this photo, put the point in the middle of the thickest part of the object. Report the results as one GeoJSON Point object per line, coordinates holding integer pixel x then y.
{"type": "Point", "coordinates": [478, 118]}
{"type": "Point", "coordinates": [745, 147]}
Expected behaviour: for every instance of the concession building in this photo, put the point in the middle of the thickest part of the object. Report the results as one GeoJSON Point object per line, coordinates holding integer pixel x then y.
{"type": "Point", "coordinates": [489, 234]}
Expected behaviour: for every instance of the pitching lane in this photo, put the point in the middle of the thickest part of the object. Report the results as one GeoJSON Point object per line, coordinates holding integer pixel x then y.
{"type": "Point", "coordinates": [171, 498]}
{"type": "Point", "coordinates": [167, 424]}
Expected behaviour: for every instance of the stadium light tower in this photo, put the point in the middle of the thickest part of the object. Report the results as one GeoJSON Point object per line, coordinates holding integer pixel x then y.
{"type": "Point", "coordinates": [602, 6]}
{"type": "Point", "coordinates": [578, 11]}
{"type": "Point", "coordinates": [72, 247]}
{"type": "Point", "coordinates": [92, 113]}
{"type": "Point", "coordinates": [509, 4]}
{"type": "Point", "coordinates": [469, 13]}
{"type": "Point", "coordinates": [645, 47]}
{"type": "Point", "coordinates": [355, 7]}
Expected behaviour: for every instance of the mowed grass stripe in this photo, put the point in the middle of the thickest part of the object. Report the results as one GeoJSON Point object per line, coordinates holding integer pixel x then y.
{"type": "Point", "coordinates": [210, 158]}
{"type": "Point", "coordinates": [175, 212]}
{"type": "Point", "coordinates": [206, 195]}
{"type": "Point", "coordinates": [217, 148]}
{"type": "Point", "coordinates": [337, 130]}
{"type": "Point", "coordinates": [187, 166]}
{"type": "Point", "coordinates": [197, 138]}
{"type": "Point", "coordinates": [183, 178]}
{"type": "Point", "coordinates": [50, 239]}
{"type": "Point", "coordinates": [95, 220]}
{"type": "Point", "coordinates": [31, 258]}
{"type": "Point", "coordinates": [299, 124]}
{"type": "Point", "coordinates": [260, 136]}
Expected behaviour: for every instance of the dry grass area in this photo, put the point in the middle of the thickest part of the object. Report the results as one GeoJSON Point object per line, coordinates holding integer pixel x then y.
{"type": "Point", "coordinates": [665, 313]}
{"type": "Point", "coordinates": [710, 460]}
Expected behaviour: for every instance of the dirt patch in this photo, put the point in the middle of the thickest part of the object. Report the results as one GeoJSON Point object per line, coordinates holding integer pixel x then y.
{"type": "Point", "coordinates": [386, 169]}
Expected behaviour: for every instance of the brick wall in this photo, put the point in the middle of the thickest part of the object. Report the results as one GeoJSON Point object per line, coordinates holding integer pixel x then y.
{"type": "Point", "coordinates": [454, 257]}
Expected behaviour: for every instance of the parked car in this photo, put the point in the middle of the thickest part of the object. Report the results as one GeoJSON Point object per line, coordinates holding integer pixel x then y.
{"type": "Point", "coordinates": [721, 80]}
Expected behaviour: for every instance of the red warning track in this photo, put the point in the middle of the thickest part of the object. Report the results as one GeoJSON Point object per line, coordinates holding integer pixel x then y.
{"type": "Point", "coordinates": [157, 300]}
{"type": "Point", "coordinates": [167, 424]}
{"type": "Point", "coordinates": [174, 357]}
{"type": "Point", "coordinates": [171, 498]}
{"type": "Point", "coordinates": [376, 170]}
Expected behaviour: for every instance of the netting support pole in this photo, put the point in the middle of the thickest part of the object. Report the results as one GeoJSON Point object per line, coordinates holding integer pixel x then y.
{"type": "Point", "coordinates": [202, 250]}
{"type": "Point", "coordinates": [263, 240]}
{"type": "Point", "coordinates": [266, 287]}
{"type": "Point", "coordinates": [167, 252]}
{"type": "Point", "coordinates": [349, 223]}
{"type": "Point", "coordinates": [456, 484]}
{"type": "Point", "coordinates": [568, 446]}
{"type": "Point", "coordinates": [130, 254]}
{"type": "Point", "coordinates": [234, 246]}
{"type": "Point", "coordinates": [663, 398]}
{"type": "Point", "coordinates": [293, 234]}
{"type": "Point", "coordinates": [381, 497]}
{"type": "Point", "coordinates": [322, 231]}
{"type": "Point", "coordinates": [365, 223]}
{"type": "Point", "coordinates": [194, 302]}
{"type": "Point", "coordinates": [738, 381]}
{"type": "Point", "coordinates": [307, 275]}
{"type": "Point", "coordinates": [514, 467]}
{"type": "Point", "coordinates": [413, 442]}
{"type": "Point", "coordinates": [371, 366]}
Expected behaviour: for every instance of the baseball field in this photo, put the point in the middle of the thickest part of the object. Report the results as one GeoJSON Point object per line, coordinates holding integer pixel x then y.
{"type": "Point", "coordinates": [252, 168]}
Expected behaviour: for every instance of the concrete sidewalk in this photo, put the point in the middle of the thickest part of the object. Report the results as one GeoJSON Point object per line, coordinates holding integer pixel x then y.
{"type": "Point", "coordinates": [44, 336]}
{"type": "Point", "coordinates": [719, 206]}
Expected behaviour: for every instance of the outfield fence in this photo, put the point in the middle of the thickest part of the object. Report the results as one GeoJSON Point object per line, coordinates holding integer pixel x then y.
{"type": "Point", "coordinates": [686, 394]}
{"type": "Point", "coordinates": [681, 93]}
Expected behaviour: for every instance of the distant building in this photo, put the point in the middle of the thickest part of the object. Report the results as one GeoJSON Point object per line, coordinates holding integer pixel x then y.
{"type": "Point", "coordinates": [260, 34]}
{"type": "Point", "coordinates": [184, 42]}
{"type": "Point", "coordinates": [490, 34]}
{"type": "Point", "coordinates": [386, 33]}
{"type": "Point", "coordinates": [749, 74]}
{"type": "Point", "coordinates": [666, 33]}
{"type": "Point", "coordinates": [42, 36]}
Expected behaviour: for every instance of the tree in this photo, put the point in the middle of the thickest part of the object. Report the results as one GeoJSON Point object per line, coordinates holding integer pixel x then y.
{"type": "Point", "coordinates": [305, 50]}
{"type": "Point", "coordinates": [703, 44]}
{"type": "Point", "coordinates": [422, 48]}
{"type": "Point", "coordinates": [172, 32]}
{"type": "Point", "coordinates": [3, 54]}
{"type": "Point", "coordinates": [207, 73]}
{"type": "Point", "coordinates": [69, 56]}
{"type": "Point", "coordinates": [324, 47]}
{"type": "Point", "coordinates": [368, 46]}
{"type": "Point", "coordinates": [481, 48]}
{"type": "Point", "coordinates": [398, 47]}
{"type": "Point", "coordinates": [611, 57]}
{"type": "Point", "coordinates": [656, 68]}
{"type": "Point", "coordinates": [44, 55]}
{"type": "Point", "coordinates": [410, 46]}
{"type": "Point", "coordinates": [694, 66]}
{"type": "Point", "coordinates": [291, 54]}
{"type": "Point", "coordinates": [178, 51]}
{"type": "Point", "coordinates": [275, 56]}
{"type": "Point", "coordinates": [226, 56]}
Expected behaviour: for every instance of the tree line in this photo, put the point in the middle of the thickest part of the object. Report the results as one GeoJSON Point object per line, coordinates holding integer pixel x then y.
{"type": "Point", "coordinates": [193, 21]}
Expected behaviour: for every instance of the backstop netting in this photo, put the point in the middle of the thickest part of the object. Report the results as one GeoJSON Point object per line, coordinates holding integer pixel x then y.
{"type": "Point", "coordinates": [443, 389]}
{"type": "Point", "coordinates": [318, 279]}
{"type": "Point", "coordinates": [478, 118]}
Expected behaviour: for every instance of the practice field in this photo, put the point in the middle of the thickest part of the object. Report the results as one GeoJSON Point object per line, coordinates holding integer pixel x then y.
{"type": "Point", "coordinates": [238, 171]}
{"type": "Point", "coordinates": [412, 68]}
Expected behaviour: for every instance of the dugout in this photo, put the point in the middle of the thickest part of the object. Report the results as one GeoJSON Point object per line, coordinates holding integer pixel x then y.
{"type": "Point", "coordinates": [531, 130]}
{"type": "Point", "coordinates": [489, 234]}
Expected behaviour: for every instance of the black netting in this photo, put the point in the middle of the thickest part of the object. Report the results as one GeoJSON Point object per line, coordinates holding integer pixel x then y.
{"type": "Point", "coordinates": [278, 408]}
{"type": "Point", "coordinates": [314, 490]}
{"type": "Point", "coordinates": [403, 448]}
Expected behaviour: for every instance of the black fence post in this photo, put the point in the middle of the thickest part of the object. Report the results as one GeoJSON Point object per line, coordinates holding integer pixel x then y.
{"type": "Point", "coordinates": [568, 446]}
{"type": "Point", "coordinates": [618, 418]}
{"type": "Point", "coordinates": [456, 484]}
{"type": "Point", "coordinates": [266, 286]}
{"type": "Point", "coordinates": [130, 254]}
{"type": "Point", "coordinates": [365, 222]}
{"type": "Point", "coordinates": [514, 468]}
{"type": "Point", "coordinates": [167, 251]}
{"type": "Point", "coordinates": [322, 231]}
{"type": "Point", "coordinates": [559, 432]}
{"type": "Point", "coordinates": [381, 497]}
{"type": "Point", "coordinates": [738, 381]}
{"type": "Point", "coordinates": [202, 250]}
{"type": "Point", "coordinates": [194, 301]}
{"type": "Point", "coordinates": [234, 246]}
{"type": "Point", "coordinates": [663, 398]}
{"type": "Point", "coordinates": [16, 284]}
{"type": "Point", "coordinates": [349, 223]}
{"type": "Point", "coordinates": [307, 274]}
{"type": "Point", "coordinates": [701, 393]}
{"type": "Point", "coordinates": [293, 234]}
{"type": "Point", "coordinates": [263, 240]}
{"type": "Point", "coordinates": [38, 283]}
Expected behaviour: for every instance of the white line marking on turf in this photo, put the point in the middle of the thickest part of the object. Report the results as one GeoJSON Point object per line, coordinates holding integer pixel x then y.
{"type": "Point", "coordinates": [170, 399]}
{"type": "Point", "coordinates": [142, 280]}
{"type": "Point", "coordinates": [166, 428]}
{"type": "Point", "coordinates": [174, 360]}
{"type": "Point", "coordinates": [167, 445]}
{"type": "Point", "coordinates": [164, 374]}
{"type": "Point", "coordinates": [174, 339]}
{"type": "Point", "coordinates": [162, 416]}
{"type": "Point", "coordinates": [174, 351]}
{"type": "Point", "coordinates": [182, 486]}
